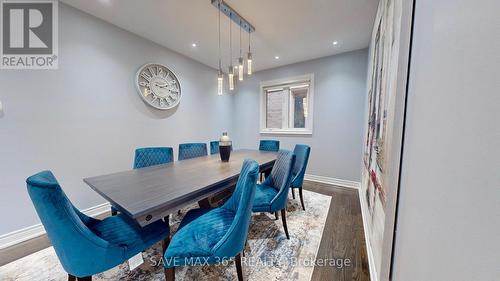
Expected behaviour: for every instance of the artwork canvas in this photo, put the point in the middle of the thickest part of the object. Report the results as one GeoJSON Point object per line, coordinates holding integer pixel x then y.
{"type": "Point", "coordinates": [382, 78]}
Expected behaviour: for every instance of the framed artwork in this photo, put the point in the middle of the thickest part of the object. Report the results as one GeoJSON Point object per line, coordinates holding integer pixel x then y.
{"type": "Point", "coordinates": [386, 89]}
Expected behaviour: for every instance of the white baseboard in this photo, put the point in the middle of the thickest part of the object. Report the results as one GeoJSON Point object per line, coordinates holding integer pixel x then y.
{"type": "Point", "coordinates": [37, 230]}
{"type": "Point", "coordinates": [371, 259]}
{"type": "Point", "coordinates": [333, 181]}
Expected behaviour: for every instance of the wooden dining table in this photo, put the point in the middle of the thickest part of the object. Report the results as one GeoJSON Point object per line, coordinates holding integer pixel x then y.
{"type": "Point", "coordinates": [152, 193]}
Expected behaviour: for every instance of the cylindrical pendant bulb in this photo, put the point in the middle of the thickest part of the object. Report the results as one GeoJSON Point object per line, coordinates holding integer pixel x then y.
{"type": "Point", "coordinates": [230, 76]}
{"type": "Point", "coordinates": [220, 79]}
{"type": "Point", "coordinates": [240, 69]}
{"type": "Point", "coordinates": [249, 64]}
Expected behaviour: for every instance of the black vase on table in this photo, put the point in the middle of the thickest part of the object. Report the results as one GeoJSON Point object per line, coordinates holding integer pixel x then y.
{"type": "Point", "coordinates": [225, 147]}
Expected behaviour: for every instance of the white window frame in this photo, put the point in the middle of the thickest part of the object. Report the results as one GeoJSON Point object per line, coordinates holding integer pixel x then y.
{"type": "Point", "coordinates": [286, 130]}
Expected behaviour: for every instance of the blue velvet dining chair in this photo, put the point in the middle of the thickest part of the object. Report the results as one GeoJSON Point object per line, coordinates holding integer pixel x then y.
{"type": "Point", "coordinates": [192, 150]}
{"type": "Point", "coordinates": [269, 145]}
{"type": "Point", "coordinates": [214, 147]}
{"type": "Point", "coordinates": [301, 152]}
{"type": "Point", "coordinates": [215, 235]}
{"type": "Point", "coordinates": [86, 246]}
{"type": "Point", "coordinates": [150, 156]}
{"type": "Point", "coordinates": [271, 196]}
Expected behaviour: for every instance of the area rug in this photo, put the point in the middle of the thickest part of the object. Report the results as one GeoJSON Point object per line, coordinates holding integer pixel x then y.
{"type": "Point", "coordinates": [268, 256]}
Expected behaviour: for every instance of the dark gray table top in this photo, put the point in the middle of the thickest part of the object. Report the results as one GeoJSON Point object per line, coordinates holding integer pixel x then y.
{"type": "Point", "coordinates": [148, 194]}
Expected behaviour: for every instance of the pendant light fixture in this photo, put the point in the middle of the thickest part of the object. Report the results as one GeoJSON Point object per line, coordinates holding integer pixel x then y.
{"type": "Point", "coordinates": [240, 61]}
{"type": "Point", "coordinates": [230, 74]}
{"type": "Point", "coordinates": [247, 27]}
{"type": "Point", "coordinates": [220, 76]}
{"type": "Point", "coordinates": [249, 57]}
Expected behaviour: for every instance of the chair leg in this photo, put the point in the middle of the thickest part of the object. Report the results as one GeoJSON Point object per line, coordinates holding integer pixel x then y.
{"type": "Point", "coordinates": [239, 270]}
{"type": "Point", "coordinates": [302, 198]}
{"type": "Point", "coordinates": [164, 244]}
{"type": "Point", "coordinates": [293, 193]}
{"type": "Point", "coordinates": [114, 212]}
{"type": "Point", "coordinates": [71, 277]}
{"type": "Point", "coordinates": [244, 248]}
{"type": "Point", "coordinates": [276, 215]}
{"type": "Point", "coordinates": [170, 274]}
{"type": "Point", "coordinates": [283, 217]}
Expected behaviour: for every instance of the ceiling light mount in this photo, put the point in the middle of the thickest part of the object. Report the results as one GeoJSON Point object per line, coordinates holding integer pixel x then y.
{"type": "Point", "coordinates": [233, 15]}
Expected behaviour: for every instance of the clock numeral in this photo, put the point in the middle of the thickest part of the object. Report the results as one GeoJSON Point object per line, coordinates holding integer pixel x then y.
{"type": "Point", "coordinates": [161, 72]}
{"type": "Point", "coordinates": [152, 71]}
{"type": "Point", "coordinates": [146, 76]}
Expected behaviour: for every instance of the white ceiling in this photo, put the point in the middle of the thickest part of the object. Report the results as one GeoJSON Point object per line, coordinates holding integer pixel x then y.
{"type": "Point", "coordinates": [294, 30]}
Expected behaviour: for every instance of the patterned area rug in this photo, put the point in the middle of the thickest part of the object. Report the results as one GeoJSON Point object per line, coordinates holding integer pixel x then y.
{"type": "Point", "coordinates": [269, 255]}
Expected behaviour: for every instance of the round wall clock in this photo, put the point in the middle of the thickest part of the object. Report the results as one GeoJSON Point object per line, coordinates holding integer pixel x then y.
{"type": "Point", "coordinates": [158, 86]}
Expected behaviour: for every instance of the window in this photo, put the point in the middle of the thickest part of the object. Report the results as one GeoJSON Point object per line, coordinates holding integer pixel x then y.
{"type": "Point", "coordinates": [286, 106]}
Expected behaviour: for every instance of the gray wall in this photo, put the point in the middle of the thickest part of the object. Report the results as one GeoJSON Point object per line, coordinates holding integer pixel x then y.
{"type": "Point", "coordinates": [449, 210]}
{"type": "Point", "coordinates": [339, 105]}
{"type": "Point", "coordinates": [86, 118]}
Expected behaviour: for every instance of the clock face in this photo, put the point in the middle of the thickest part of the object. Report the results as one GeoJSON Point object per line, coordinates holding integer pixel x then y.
{"type": "Point", "coordinates": [158, 86]}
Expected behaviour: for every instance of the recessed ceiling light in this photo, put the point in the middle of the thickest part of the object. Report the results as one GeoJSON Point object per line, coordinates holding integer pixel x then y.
{"type": "Point", "coordinates": [335, 43]}
{"type": "Point", "coordinates": [194, 45]}
{"type": "Point", "coordinates": [106, 2]}
{"type": "Point", "coordinates": [276, 57]}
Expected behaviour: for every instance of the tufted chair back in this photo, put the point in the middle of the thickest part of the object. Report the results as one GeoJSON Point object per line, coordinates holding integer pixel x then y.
{"type": "Point", "coordinates": [301, 152]}
{"type": "Point", "coordinates": [192, 150]}
{"type": "Point", "coordinates": [269, 145]}
{"type": "Point", "coordinates": [280, 178]}
{"type": "Point", "coordinates": [214, 147]}
{"type": "Point", "coordinates": [241, 203]}
{"type": "Point", "coordinates": [151, 156]}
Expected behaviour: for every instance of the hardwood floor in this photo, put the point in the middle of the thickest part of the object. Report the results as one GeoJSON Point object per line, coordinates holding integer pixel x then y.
{"type": "Point", "coordinates": [343, 236]}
